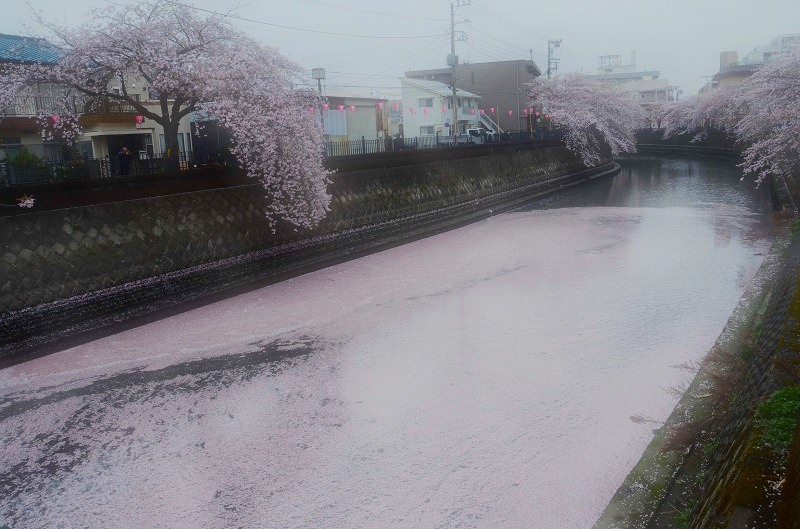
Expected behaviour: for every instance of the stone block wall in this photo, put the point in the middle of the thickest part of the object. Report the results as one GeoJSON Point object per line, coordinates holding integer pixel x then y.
{"type": "Point", "coordinates": [53, 255]}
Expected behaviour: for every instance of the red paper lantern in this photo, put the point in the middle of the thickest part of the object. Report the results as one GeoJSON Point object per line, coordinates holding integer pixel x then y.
{"type": "Point", "coordinates": [444, 108]}
{"type": "Point", "coordinates": [396, 106]}
{"type": "Point", "coordinates": [380, 105]}
{"type": "Point", "coordinates": [471, 110]}
{"type": "Point", "coordinates": [341, 108]}
{"type": "Point", "coordinates": [325, 106]}
{"type": "Point", "coordinates": [491, 109]}
{"type": "Point", "coordinates": [483, 112]}
{"type": "Point", "coordinates": [352, 108]}
{"type": "Point", "coordinates": [425, 111]}
{"type": "Point", "coordinates": [510, 112]}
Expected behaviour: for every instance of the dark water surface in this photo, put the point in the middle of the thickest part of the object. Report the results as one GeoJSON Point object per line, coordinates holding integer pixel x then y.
{"type": "Point", "coordinates": [484, 377]}
{"type": "Point", "coordinates": [650, 181]}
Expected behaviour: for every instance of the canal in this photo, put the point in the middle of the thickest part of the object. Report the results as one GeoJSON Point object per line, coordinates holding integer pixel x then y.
{"type": "Point", "coordinates": [483, 377]}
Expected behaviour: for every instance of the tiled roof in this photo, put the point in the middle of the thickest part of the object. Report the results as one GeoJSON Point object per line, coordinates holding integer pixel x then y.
{"type": "Point", "coordinates": [18, 49]}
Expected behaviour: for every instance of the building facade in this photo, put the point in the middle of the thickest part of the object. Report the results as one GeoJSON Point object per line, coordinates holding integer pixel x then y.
{"type": "Point", "coordinates": [645, 86]}
{"type": "Point", "coordinates": [732, 70]}
{"type": "Point", "coordinates": [107, 124]}
{"type": "Point", "coordinates": [349, 118]}
{"type": "Point", "coordinates": [500, 86]}
{"type": "Point", "coordinates": [427, 108]}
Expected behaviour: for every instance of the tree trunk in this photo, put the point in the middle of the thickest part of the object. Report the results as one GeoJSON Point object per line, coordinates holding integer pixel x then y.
{"type": "Point", "coordinates": [171, 147]}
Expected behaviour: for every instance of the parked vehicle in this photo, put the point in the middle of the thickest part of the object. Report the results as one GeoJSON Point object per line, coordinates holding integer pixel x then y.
{"type": "Point", "coordinates": [480, 135]}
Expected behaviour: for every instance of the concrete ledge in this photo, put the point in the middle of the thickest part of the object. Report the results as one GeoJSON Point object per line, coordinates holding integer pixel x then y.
{"type": "Point", "coordinates": [688, 150]}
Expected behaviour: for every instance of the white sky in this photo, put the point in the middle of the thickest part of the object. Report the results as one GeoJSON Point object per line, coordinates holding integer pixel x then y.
{"type": "Point", "coordinates": [680, 38]}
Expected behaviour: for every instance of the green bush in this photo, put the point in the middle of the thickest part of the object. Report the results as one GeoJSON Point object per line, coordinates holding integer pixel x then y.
{"type": "Point", "coordinates": [26, 159]}
{"type": "Point", "coordinates": [778, 416]}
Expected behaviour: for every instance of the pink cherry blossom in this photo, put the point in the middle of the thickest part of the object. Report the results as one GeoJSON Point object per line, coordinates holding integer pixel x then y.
{"type": "Point", "coordinates": [186, 63]}
{"type": "Point", "coordinates": [594, 115]}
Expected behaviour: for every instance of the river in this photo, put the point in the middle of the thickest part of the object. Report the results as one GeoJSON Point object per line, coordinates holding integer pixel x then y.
{"type": "Point", "coordinates": [481, 378]}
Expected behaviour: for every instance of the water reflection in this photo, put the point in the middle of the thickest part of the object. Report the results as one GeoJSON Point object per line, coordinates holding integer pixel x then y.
{"type": "Point", "coordinates": [647, 181]}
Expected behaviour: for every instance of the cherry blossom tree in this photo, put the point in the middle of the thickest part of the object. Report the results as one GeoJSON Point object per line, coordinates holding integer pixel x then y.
{"type": "Point", "coordinates": [185, 63]}
{"type": "Point", "coordinates": [762, 113]}
{"type": "Point", "coordinates": [595, 115]}
{"type": "Point", "coordinates": [770, 130]}
{"type": "Point", "coordinates": [720, 107]}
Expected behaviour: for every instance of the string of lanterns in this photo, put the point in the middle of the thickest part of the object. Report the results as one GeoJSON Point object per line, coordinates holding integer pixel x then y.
{"type": "Point", "coordinates": [396, 107]}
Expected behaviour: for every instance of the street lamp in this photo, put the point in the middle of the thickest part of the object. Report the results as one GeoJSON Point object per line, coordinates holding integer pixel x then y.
{"type": "Point", "coordinates": [319, 75]}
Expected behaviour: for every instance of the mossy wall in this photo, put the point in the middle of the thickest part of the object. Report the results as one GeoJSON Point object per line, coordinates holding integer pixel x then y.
{"type": "Point", "coordinates": [741, 488]}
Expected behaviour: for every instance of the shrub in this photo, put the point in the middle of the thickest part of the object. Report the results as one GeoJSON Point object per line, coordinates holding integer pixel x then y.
{"type": "Point", "coordinates": [778, 416]}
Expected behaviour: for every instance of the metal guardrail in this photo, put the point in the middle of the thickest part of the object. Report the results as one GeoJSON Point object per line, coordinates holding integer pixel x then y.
{"type": "Point", "coordinates": [82, 169]}
{"type": "Point", "coordinates": [365, 146]}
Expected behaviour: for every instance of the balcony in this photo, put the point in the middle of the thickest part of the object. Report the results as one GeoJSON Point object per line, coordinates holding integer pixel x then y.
{"type": "Point", "coordinates": [33, 105]}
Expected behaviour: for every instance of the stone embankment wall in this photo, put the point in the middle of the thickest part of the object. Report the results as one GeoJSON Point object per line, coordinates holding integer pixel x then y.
{"type": "Point", "coordinates": [742, 487]}
{"type": "Point", "coordinates": [63, 267]}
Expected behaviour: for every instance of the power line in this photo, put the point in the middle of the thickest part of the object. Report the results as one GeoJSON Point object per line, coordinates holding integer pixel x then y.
{"type": "Point", "coordinates": [369, 12]}
{"type": "Point", "coordinates": [497, 19]}
{"type": "Point", "coordinates": [319, 32]}
{"type": "Point", "coordinates": [759, 7]}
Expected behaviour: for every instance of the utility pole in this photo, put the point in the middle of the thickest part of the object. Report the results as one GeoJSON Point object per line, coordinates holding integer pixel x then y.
{"type": "Point", "coordinates": [452, 59]}
{"type": "Point", "coordinates": [552, 62]}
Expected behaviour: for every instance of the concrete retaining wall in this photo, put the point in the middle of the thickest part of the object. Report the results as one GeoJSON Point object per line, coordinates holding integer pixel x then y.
{"type": "Point", "coordinates": [63, 269]}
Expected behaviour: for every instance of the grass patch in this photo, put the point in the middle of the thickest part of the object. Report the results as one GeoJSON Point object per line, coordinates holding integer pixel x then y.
{"type": "Point", "coordinates": [778, 416]}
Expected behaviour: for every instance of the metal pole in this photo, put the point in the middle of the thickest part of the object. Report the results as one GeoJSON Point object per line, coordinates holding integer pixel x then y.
{"type": "Point", "coordinates": [518, 125]}
{"type": "Point", "coordinates": [453, 66]}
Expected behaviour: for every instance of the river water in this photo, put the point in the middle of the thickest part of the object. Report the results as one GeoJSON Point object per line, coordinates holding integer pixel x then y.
{"type": "Point", "coordinates": [484, 377]}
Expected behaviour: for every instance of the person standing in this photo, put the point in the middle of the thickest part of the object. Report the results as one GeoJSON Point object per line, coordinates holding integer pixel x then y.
{"type": "Point", "coordinates": [124, 161]}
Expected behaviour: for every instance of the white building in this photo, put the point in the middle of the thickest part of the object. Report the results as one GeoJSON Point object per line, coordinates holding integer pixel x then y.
{"type": "Point", "coordinates": [427, 109]}
{"type": "Point", "coordinates": [645, 86]}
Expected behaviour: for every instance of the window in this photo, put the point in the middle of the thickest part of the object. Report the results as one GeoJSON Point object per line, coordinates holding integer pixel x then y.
{"type": "Point", "coordinates": [162, 143]}
{"type": "Point", "coordinates": [53, 152]}
{"type": "Point", "coordinates": [9, 147]}
{"type": "Point", "coordinates": [426, 102]}
{"type": "Point", "coordinates": [427, 130]}
{"type": "Point", "coordinates": [85, 148]}
{"type": "Point", "coordinates": [148, 144]}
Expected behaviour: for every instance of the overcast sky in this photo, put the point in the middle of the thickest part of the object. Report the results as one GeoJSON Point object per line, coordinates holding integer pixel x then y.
{"type": "Point", "coordinates": [680, 38]}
